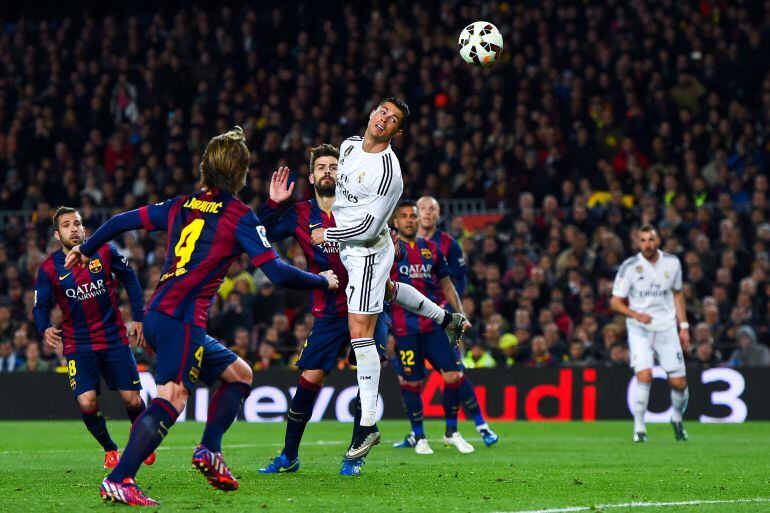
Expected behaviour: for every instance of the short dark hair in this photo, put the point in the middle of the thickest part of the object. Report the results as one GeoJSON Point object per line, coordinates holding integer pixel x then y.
{"type": "Point", "coordinates": [324, 150]}
{"type": "Point", "coordinates": [647, 227]}
{"type": "Point", "coordinates": [401, 105]}
{"type": "Point", "coordinates": [406, 203]}
{"type": "Point", "coordinates": [60, 211]}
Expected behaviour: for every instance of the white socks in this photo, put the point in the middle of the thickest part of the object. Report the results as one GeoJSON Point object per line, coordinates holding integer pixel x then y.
{"type": "Point", "coordinates": [640, 406]}
{"type": "Point", "coordinates": [679, 402]}
{"type": "Point", "coordinates": [413, 301]}
{"type": "Point", "coordinates": [368, 373]}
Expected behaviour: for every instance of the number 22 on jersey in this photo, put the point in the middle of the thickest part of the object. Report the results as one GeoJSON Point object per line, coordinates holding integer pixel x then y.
{"type": "Point", "coordinates": [187, 239]}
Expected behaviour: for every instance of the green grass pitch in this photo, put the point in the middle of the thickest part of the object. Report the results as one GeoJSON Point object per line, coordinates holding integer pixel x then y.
{"type": "Point", "coordinates": [56, 466]}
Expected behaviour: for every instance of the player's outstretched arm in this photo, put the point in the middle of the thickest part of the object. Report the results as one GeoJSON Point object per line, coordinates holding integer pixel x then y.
{"type": "Point", "coordinates": [150, 217]}
{"type": "Point", "coordinates": [253, 240]}
{"type": "Point", "coordinates": [285, 275]}
{"type": "Point", "coordinates": [281, 226]}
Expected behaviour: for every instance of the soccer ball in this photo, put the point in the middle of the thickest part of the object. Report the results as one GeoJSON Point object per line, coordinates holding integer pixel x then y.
{"type": "Point", "coordinates": [480, 43]}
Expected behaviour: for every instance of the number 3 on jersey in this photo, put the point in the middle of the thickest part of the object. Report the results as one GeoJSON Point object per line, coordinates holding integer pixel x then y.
{"type": "Point", "coordinates": [187, 239]}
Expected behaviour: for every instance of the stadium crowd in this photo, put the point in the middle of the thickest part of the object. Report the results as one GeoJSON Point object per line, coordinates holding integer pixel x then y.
{"type": "Point", "coordinates": [599, 117]}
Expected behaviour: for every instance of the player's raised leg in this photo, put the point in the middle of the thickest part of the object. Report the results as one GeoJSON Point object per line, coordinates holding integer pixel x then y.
{"type": "Point", "coordinates": [223, 409]}
{"type": "Point", "coordinates": [412, 300]}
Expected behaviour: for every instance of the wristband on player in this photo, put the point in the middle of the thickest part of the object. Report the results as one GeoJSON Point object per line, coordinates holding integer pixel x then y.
{"type": "Point", "coordinates": [684, 325]}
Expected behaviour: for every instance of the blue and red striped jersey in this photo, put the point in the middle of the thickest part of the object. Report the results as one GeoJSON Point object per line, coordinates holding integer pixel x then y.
{"type": "Point", "coordinates": [422, 265]}
{"type": "Point", "coordinates": [207, 231]}
{"type": "Point", "coordinates": [299, 221]}
{"type": "Point", "coordinates": [456, 261]}
{"type": "Point", "coordinates": [91, 319]}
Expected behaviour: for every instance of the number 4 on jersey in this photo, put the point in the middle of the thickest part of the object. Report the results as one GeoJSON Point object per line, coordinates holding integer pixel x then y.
{"type": "Point", "coordinates": [187, 239]}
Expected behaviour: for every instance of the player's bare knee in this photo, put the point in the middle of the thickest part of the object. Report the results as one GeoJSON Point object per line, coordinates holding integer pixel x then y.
{"type": "Point", "coordinates": [243, 372]}
{"type": "Point", "coordinates": [451, 378]}
{"type": "Point", "coordinates": [678, 383]}
{"type": "Point", "coordinates": [315, 376]}
{"type": "Point", "coordinates": [644, 376]}
{"type": "Point", "coordinates": [87, 402]}
{"type": "Point", "coordinates": [175, 393]}
{"type": "Point", "coordinates": [131, 399]}
{"type": "Point", "coordinates": [390, 290]}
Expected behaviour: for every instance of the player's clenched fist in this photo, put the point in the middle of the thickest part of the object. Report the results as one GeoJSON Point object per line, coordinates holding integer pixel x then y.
{"type": "Point", "coordinates": [75, 257]}
{"type": "Point", "coordinates": [317, 236]}
{"type": "Point", "coordinates": [52, 337]}
{"type": "Point", "coordinates": [334, 282]}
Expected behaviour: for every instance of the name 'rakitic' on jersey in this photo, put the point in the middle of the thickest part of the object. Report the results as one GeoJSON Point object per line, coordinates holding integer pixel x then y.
{"type": "Point", "coordinates": [87, 290]}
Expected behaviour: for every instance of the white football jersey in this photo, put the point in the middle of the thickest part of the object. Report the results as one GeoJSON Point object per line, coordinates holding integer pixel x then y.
{"type": "Point", "coordinates": [649, 288]}
{"type": "Point", "coordinates": [369, 186]}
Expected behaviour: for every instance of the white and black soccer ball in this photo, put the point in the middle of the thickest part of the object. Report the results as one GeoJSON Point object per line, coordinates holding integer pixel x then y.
{"type": "Point", "coordinates": [480, 43]}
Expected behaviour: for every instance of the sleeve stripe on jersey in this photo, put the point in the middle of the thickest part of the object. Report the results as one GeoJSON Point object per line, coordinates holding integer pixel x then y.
{"type": "Point", "coordinates": [626, 265]}
{"type": "Point", "coordinates": [333, 233]}
{"type": "Point", "coordinates": [387, 175]}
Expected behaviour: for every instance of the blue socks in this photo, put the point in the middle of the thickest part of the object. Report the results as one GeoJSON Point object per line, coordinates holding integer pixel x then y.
{"type": "Point", "coordinates": [300, 412]}
{"type": "Point", "coordinates": [97, 426]}
{"type": "Point", "coordinates": [413, 406]}
{"type": "Point", "coordinates": [451, 406]}
{"type": "Point", "coordinates": [471, 404]}
{"type": "Point", "coordinates": [149, 430]}
{"type": "Point", "coordinates": [223, 409]}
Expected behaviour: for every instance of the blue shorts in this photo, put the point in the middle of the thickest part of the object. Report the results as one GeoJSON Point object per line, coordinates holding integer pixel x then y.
{"type": "Point", "coordinates": [413, 350]}
{"type": "Point", "coordinates": [185, 354]}
{"type": "Point", "coordinates": [115, 364]}
{"type": "Point", "coordinates": [330, 338]}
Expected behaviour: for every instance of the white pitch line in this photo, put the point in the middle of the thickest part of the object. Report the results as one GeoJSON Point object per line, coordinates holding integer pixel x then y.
{"type": "Point", "coordinates": [572, 509]}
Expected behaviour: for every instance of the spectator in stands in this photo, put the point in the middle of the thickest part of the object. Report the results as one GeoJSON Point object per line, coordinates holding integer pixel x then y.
{"type": "Point", "coordinates": [242, 344]}
{"type": "Point", "coordinates": [8, 360]}
{"type": "Point", "coordinates": [749, 353]}
{"type": "Point", "coordinates": [508, 352]}
{"type": "Point", "coordinates": [267, 354]}
{"type": "Point", "coordinates": [33, 362]}
{"type": "Point", "coordinates": [705, 356]}
{"type": "Point", "coordinates": [477, 357]}
{"type": "Point", "coordinates": [541, 356]}
{"type": "Point", "coordinates": [618, 355]}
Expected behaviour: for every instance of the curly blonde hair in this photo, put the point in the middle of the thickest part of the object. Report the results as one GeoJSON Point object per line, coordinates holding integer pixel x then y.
{"type": "Point", "coordinates": [225, 162]}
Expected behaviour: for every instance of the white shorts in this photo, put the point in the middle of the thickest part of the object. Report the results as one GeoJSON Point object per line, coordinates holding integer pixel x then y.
{"type": "Point", "coordinates": [645, 345]}
{"type": "Point", "coordinates": [368, 273]}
